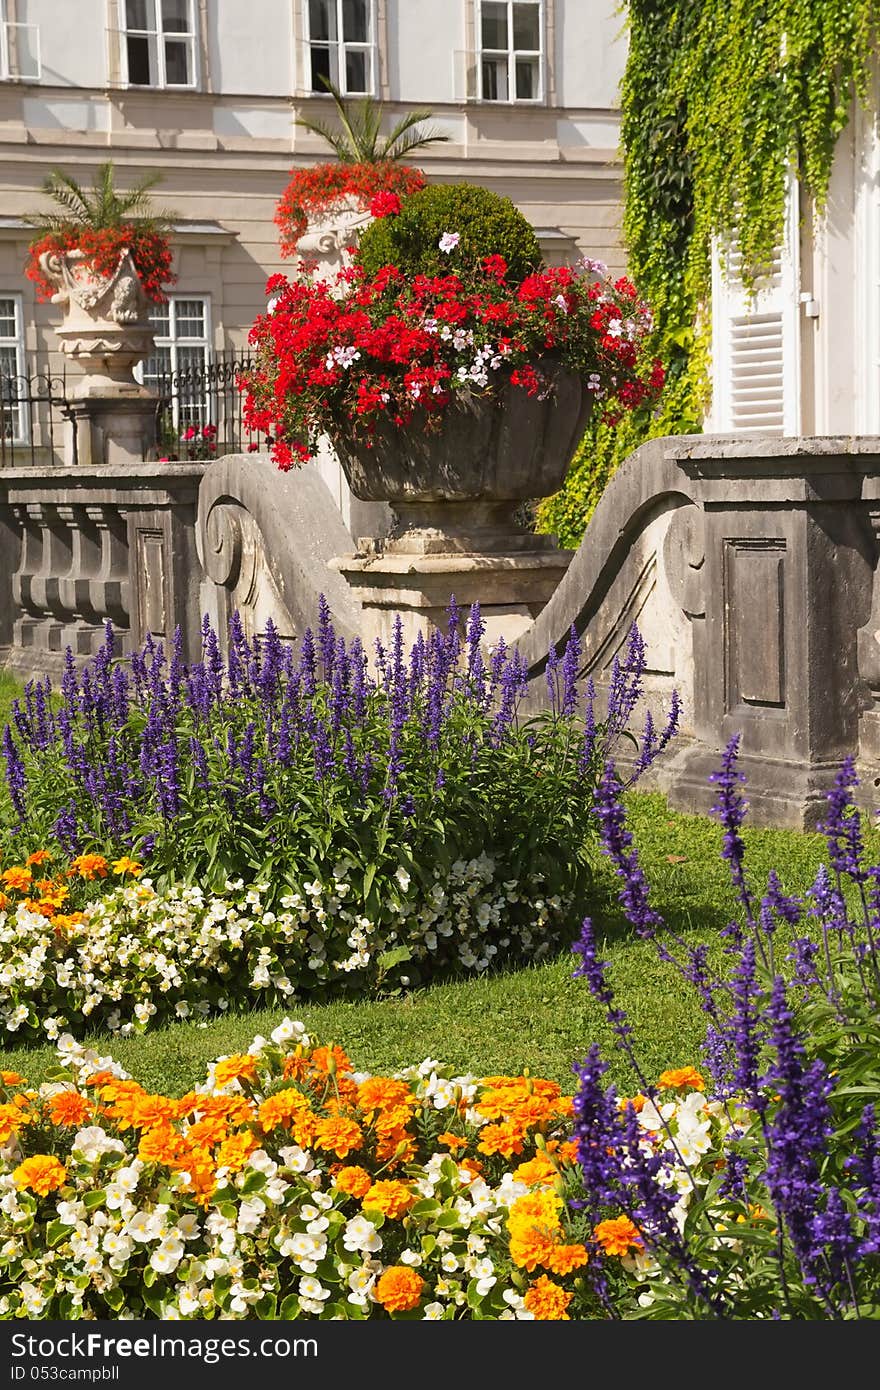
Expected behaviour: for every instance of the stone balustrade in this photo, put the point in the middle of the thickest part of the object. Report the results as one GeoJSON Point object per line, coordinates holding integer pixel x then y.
{"type": "Point", "coordinates": [81, 546]}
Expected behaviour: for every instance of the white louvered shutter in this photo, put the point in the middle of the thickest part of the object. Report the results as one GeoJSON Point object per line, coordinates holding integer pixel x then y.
{"type": "Point", "coordinates": [755, 343]}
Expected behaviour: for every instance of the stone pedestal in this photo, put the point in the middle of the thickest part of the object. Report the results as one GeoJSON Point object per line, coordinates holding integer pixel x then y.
{"type": "Point", "coordinates": [437, 551]}
{"type": "Point", "coordinates": [113, 430]}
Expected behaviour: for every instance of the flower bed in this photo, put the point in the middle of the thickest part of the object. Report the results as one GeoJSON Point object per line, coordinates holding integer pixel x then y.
{"type": "Point", "coordinates": [137, 958]}
{"type": "Point", "coordinates": [385, 822]}
{"type": "Point", "coordinates": [289, 1186]}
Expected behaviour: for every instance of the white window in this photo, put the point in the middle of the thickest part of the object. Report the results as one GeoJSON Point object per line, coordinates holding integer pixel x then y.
{"type": "Point", "coordinates": [341, 45]}
{"type": "Point", "coordinates": [13, 421]}
{"type": "Point", "coordinates": [755, 340]}
{"type": "Point", "coordinates": [158, 43]}
{"type": "Point", "coordinates": [19, 50]}
{"type": "Point", "coordinates": [179, 360]}
{"type": "Point", "coordinates": [510, 50]}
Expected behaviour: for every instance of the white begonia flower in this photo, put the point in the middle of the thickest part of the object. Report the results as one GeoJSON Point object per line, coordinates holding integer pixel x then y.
{"type": "Point", "coordinates": [449, 241]}
{"type": "Point", "coordinates": [361, 1234]}
{"type": "Point", "coordinates": [433, 1312]}
{"type": "Point", "coordinates": [93, 1142]}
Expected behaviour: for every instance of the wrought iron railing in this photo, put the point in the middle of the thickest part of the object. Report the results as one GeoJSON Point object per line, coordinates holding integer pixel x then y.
{"type": "Point", "coordinates": [35, 417]}
{"type": "Point", "coordinates": [199, 413]}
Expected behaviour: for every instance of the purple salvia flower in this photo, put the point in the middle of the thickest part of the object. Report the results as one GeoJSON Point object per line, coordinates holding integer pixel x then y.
{"type": "Point", "coordinates": [588, 744]}
{"type": "Point", "coordinates": [550, 676]}
{"type": "Point", "coordinates": [307, 664]}
{"type": "Point", "coordinates": [842, 827]}
{"type": "Point", "coordinates": [571, 661]}
{"type": "Point", "coordinates": [326, 638]}
{"type": "Point", "coordinates": [16, 777]}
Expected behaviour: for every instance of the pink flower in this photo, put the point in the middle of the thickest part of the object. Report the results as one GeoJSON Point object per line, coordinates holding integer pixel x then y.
{"type": "Point", "coordinates": [189, 434]}
{"type": "Point", "coordinates": [449, 241]}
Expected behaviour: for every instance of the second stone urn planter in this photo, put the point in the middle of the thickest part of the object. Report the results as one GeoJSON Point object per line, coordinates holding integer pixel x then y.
{"type": "Point", "coordinates": [105, 332]}
{"type": "Point", "coordinates": [454, 491]}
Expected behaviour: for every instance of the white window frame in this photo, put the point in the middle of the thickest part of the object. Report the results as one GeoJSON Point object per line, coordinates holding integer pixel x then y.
{"type": "Point", "coordinates": [6, 28]}
{"type": "Point", "coordinates": [867, 275]}
{"type": "Point", "coordinates": [20, 434]}
{"type": "Point", "coordinates": [511, 54]}
{"type": "Point", "coordinates": [160, 36]}
{"type": "Point", "coordinates": [172, 341]}
{"type": "Point", "coordinates": [337, 48]}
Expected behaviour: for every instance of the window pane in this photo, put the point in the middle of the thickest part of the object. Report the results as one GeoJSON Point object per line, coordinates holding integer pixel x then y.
{"type": "Point", "coordinates": [160, 320]}
{"type": "Point", "coordinates": [322, 19]}
{"type": "Point", "coordinates": [157, 364]}
{"type": "Point", "coordinates": [8, 368]}
{"type": "Point", "coordinates": [355, 21]}
{"type": "Point", "coordinates": [320, 68]}
{"type": "Point", "coordinates": [176, 16]}
{"type": "Point", "coordinates": [494, 25]}
{"type": "Point", "coordinates": [526, 27]}
{"type": "Point", "coordinates": [7, 318]}
{"type": "Point", "coordinates": [527, 79]}
{"type": "Point", "coordinates": [355, 70]}
{"type": "Point", "coordinates": [189, 318]}
{"type": "Point", "coordinates": [495, 79]}
{"type": "Point", "coordinates": [141, 61]}
{"type": "Point", "coordinates": [140, 14]}
{"type": "Point", "coordinates": [177, 73]}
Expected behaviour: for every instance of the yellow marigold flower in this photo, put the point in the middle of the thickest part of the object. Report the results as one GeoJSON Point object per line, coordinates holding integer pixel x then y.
{"type": "Point", "coordinates": [127, 866]}
{"type": "Point", "coordinates": [12, 1117]}
{"type": "Point", "coordinates": [339, 1135]}
{"type": "Point", "coordinates": [41, 906]}
{"type": "Point", "coordinates": [39, 856]}
{"type": "Point", "coordinates": [235, 1151]}
{"type": "Point", "coordinates": [548, 1302]}
{"type": "Point", "coordinates": [617, 1236]}
{"type": "Point", "coordinates": [533, 1223]}
{"type": "Point", "coordinates": [69, 1108]}
{"type": "Point", "coordinates": [681, 1078]}
{"type": "Point", "coordinates": [538, 1170]}
{"type": "Point", "coordinates": [241, 1064]}
{"type": "Point", "coordinates": [42, 1174]}
{"type": "Point", "coordinates": [393, 1199]}
{"type": "Point", "coordinates": [353, 1181]}
{"type": "Point", "coordinates": [66, 921]}
{"type": "Point", "coordinates": [17, 878]}
{"type": "Point", "coordinates": [52, 891]}
{"type": "Point", "coordinates": [11, 1078]}
{"type": "Point", "coordinates": [88, 866]}
{"type": "Point", "coordinates": [399, 1289]}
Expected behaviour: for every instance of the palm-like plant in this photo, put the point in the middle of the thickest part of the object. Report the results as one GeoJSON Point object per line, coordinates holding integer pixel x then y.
{"type": "Point", "coordinates": [103, 207]}
{"type": "Point", "coordinates": [360, 140]}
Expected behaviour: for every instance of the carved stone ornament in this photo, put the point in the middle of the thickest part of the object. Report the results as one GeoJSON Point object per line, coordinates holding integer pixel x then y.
{"type": "Point", "coordinates": [327, 242]}
{"type": "Point", "coordinates": [106, 327]}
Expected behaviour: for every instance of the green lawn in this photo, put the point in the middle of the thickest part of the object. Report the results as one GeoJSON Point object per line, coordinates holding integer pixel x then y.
{"type": "Point", "coordinates": [536, 1017]}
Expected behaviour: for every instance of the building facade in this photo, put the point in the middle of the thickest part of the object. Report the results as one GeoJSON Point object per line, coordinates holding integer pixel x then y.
{"type": "Point", "coordinates": [207, 92]}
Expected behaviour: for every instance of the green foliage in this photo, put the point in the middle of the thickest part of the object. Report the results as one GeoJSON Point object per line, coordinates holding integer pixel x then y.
{"type": "Point", "coordinates": [359, 139]}
{"type": "Point", "coordinates": [720, 98]}
{"type": "Point", "coordinates": [103, 207]}
{"type": "Point", "coordinates": [487, 224]}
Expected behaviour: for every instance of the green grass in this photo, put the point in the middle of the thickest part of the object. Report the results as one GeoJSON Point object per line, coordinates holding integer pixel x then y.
{"type": "Point", "coordinates": [9, 691]}
{"type": "Point", "coordinates": [537, 1017]}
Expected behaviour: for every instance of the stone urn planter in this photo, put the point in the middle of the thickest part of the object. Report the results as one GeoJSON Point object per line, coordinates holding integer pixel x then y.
{"type": "Point", "coordinates": [456, 484]}
{"type": "Point", "coordinates": [106, 328]}
{"type": "Point", "coordinates": [453, 493]}
{"type": "Point", "coordinates": [106, 332]}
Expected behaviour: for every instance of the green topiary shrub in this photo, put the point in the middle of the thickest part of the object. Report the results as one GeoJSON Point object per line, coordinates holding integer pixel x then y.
{"type": "Point", "coordinates": [487, 225]}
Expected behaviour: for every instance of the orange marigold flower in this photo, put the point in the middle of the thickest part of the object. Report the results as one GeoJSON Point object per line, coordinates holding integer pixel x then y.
{"type": "Point", "coordinates": [42, 1174]}
{"type": "Point", "coordinates": [241, 1064]}
{"type": "Point", "coordinates": [330, 1061]}
{"type": "Point", "coordinates": [147, 1110]}
{"type": "Point", "coordinates": [395, 1145]}
{"type": "Point", "coordinates": [399, 1289]}
{"type": "Point", "coordinates": [4, 902]}
{"type": "Point", "coordinates": [452, 1141]}
{"type": "Point", "coordinates": [637, 1102]}
{"type": "Point", "coordinates": [17, 878]}
{"type": "Point", "coordinates": [682, 1077]}
{"type": "Point", "coordinates": [281, 1108]}
{"type": "Point", "coordinates": [235, 1151]}
{"type": "Point", "coordinates": [162, 1144]}
{"type": "Point", "coordinates": [617, 1236]}
{"type": "Point", "coordinates": [566, 1152]}
{"type": "Point", "coordinates": [127, 866]}
{"type": "Point", "coordinates": [39, 856]}
{"type": "Point", "coordinates": [69, 1108]}
{"type": "Point", "coordinates": [88, 866]}
{"type": "Point", "coordinates": [11, 1078]}
{"type": "Point", "coordinates": [393, 1199]}
{"type": "Point", "coordinates": [208, 1132]}
{"type": "Point", "coordinates": [565, 1258]}
{"type": "Point", "coordinates": [548, 1302]}
{"type": "Point", "coordinates": [505, 1139]}
{"type": "Point", "coordinates": [353, 1181]}
{"type": "Point", "coordinates": [66, 921]}
{"type": "Point", "coordinates": [538, 1170]}
{"type": "Point", "coordinates": [339, 1135]}
{"type": "Point", "coordinates": [12, 1117]}
{"type": "Point", "coordinates": [383, 1093]}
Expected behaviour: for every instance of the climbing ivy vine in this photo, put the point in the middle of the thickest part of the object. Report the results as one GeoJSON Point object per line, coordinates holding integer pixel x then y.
{"type": "Point", "coordinates": [719, 100]}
